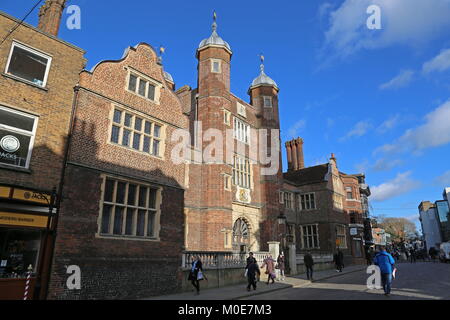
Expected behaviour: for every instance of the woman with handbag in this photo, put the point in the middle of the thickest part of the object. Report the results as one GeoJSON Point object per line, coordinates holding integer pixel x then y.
{"type": "Point", "coordinates": [196, 274]}
{"type": "Point", "coordinates": [269, 263]}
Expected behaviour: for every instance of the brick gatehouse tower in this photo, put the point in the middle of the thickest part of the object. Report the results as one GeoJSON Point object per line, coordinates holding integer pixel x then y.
{"type": "Point", "coordinates": [231, 205]}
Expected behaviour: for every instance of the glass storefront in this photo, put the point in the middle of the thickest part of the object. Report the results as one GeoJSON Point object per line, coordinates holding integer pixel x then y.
{"type": "Point", "coordinates": [19, 248]}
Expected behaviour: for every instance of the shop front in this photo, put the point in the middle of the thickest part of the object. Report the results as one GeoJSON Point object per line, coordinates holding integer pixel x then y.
{"type": "Point", "coordinates": [25, 222]}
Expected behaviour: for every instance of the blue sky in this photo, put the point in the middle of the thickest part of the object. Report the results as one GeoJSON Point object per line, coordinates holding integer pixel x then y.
{"type": "Point", "coordinates": [378, 99]}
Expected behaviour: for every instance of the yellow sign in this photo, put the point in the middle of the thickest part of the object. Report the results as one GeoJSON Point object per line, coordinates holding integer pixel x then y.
{"type": "Point", "coordinates": [23, 220]}
{"type": "Point", "coordinates": [31, 196]}
{"type": "Point", "coordinates": [4, 192]}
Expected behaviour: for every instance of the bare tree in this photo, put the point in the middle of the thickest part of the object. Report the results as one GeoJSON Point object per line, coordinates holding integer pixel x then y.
{"type": "Point", "coordinates": [399, 228]}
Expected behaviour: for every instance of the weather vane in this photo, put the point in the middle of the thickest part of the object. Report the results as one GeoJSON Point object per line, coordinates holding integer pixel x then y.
{"type": "Point", "coordinates": [161, 52]}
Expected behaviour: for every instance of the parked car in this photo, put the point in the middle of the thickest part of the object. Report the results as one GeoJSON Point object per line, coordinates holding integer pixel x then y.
{"type": "Point", "coordinates": [444, 253]}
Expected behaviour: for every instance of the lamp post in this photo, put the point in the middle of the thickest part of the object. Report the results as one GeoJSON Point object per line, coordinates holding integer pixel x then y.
{"type": "Point", "coordinates": [282, 222]}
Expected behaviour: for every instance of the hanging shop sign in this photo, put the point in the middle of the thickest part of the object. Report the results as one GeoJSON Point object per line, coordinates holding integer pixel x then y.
{"type": "Point", "coordinates": [23, 220]}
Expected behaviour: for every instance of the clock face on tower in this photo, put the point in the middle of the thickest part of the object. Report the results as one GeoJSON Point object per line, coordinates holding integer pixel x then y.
{"type": "Point", "coordinates": [10, 144]}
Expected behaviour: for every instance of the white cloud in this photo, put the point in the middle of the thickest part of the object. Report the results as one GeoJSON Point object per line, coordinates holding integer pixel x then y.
{"type": "Point", "coordinates": [400, 185]}
{"type": "Point", "coordinates": [294, 130]}
{"type": "Point", "coordinates": [400, 81]}
{"type": "Point", "coordinates": [324, 9]}
{"type": "Point", "coordinates": [360, 129]}
{"type": "Point", "coordinates": [406, 22]}
{"type": "Point", "coordinates": [413, 218]}
{"type": "Point", "coordinates": [444, 180]}
{"type": "Point", "coordinates": [439, 63]}
{"type": "Point", "coordinates": [386, 164]}
{"type": "Point", "coordinates": [434, 132]}
{"type": "Point", "coordinates": [388, 124]}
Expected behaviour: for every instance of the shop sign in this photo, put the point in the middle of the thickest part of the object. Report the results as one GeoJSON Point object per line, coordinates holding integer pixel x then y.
{"type": "Point", "coordinates": [23, 220]}
{"type": "Point", "coordinates": [5, 192]}
{"type": "Point", "coordinates": [353, 231]}
{"type": "Point", "coordinates": [31, 196]}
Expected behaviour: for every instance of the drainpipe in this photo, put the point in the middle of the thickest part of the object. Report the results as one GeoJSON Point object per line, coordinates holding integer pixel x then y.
{"type": "Point", "coordinates": [76, 90]}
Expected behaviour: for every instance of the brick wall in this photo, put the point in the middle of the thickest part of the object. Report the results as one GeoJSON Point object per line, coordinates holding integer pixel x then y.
{"type": "Point", "coordinates": [52, 104]}
{"type": "Point", "coordinates": [119, 267]}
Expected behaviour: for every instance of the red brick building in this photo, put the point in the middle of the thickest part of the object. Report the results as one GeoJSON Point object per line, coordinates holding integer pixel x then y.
{"type": "Point", "coordinates": [323, 207]}
{"type": "Point", "coordinates": [121, 217]}
{"type": "Point", "coordinates": [39, 72]}
{"type": "Point", "coordinates": [231, 205]}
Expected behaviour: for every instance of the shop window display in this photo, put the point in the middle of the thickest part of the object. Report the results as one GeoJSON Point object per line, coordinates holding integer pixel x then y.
{"type": "Point", "coordinates": [19, 249]}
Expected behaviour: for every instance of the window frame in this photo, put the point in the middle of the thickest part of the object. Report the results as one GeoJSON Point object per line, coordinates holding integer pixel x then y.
{"type": "Point", "coordinates": [344, 235]}
{"type": "Point", "coordinates": [241, 134]}
{"type": "Point", "coordinates": [227, 117]}
{"type": "Point", "coordinates": [31, 134]}
{"type": "Point", "coordinates": [312, 203]}
{"type": "Point", "coordinates": [239, 175]}
{"type": "Point", "coordinates": [126, 206]}
{"type": "Point", "coordinates": [288, 198]}
{"type": "Point", "coordinates": [264, 102]}
{"type": "Point", "coordinates": [219, 62]}
{"type": "Point", "coordinates": [133, 131]}
{"type": "Point", "coordinates": [316, 234]}
{"type": "Point", "coordinates": [42, 54]}
{"type": "Point", "coordinates": [149, 82]}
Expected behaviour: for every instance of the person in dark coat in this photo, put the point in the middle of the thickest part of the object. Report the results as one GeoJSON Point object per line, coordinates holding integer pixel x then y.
{"type": "Point", "coordinates": [251, 259]}
{"type": "Point", "coordinates": [339, 260]}
{"type": "Point", "coordinates": [281, 265]}
{"type": "Point", "coordinates": [194, 274]}
{"type": "Point", "coordinates": [309, 263]}
{"type": "Point", "coordinates": [252, 272]}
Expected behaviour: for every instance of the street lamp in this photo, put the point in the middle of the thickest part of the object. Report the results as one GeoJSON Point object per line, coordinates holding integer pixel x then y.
{"type": "Point", "coordinates": [281, 219]}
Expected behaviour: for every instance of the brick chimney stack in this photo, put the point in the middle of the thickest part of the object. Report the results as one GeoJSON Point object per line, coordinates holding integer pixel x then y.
{"type": "Point", "coordinates": [50, 16]}
{"type": "Point", "coordinates": [296, 160]}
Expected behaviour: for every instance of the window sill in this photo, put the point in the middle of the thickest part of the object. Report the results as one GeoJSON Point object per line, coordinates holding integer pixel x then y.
{"type": "Point", "coordinates": [127, 238]}
{"type": "Point", "coordinates": [16, 169]}
{"type": "Point", "coordinates": [24, 81]}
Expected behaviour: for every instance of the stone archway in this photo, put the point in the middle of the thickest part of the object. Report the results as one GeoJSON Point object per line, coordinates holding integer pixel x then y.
{"type": "Point", "coordinates": [241, 236]}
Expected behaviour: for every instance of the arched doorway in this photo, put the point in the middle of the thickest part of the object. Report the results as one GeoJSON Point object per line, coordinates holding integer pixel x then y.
{"type": "Point", "coordinates": [241, 236]}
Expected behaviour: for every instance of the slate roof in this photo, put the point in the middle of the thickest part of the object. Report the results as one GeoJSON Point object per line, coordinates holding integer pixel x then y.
{"type": "Point", "coordinates": [307, 175]}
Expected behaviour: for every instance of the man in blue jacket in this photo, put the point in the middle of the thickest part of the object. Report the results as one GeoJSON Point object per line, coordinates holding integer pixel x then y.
{"type": "Point", "coordinates": [386, 263]}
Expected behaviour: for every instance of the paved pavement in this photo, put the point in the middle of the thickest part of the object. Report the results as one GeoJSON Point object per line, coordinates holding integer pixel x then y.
{"type": "Point", "coordinates": [240, 291]}
{"type": "Point", "coordinates": [419, 281]}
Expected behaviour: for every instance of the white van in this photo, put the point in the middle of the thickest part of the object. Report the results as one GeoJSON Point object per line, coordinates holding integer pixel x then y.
{"type": "Point", "coordinates": [444, 254]}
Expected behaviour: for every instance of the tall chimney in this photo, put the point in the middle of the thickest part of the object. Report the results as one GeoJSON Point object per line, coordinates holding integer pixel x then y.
{"type": "Point", "coordinates": [300, 156]}
{"type": "Point", "coordinates": [289, 155]}
{"type": "Point", "coordinates": [295, 155]}
{"type": "Point", "coordinates": [50, 16]}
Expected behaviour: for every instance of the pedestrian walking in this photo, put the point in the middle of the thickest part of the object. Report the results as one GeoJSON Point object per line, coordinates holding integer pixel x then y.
{"type": "Point", "coordinates": [196, 273]}
{"type": "Point", "coordinates": [339, 260]}
{"type": "Point", "coordinates": [309, 263]}
{"type": "Point", "coordinates": [369, 256]}
{"type": "Point", "coordinates": [386, 264]}
{"type": "Point", "coordinates": [281, 265]}
{"type": "Point", "coordinates": [412, 256]}
{"type": "Point", "coordinates": [252, 273]}
{"type": "Point", "coordinates": [251, 259]}
{"type": "Point", "coordinates": [269, 264]}
{"type": "Point", "coordinates": [433, 253]}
